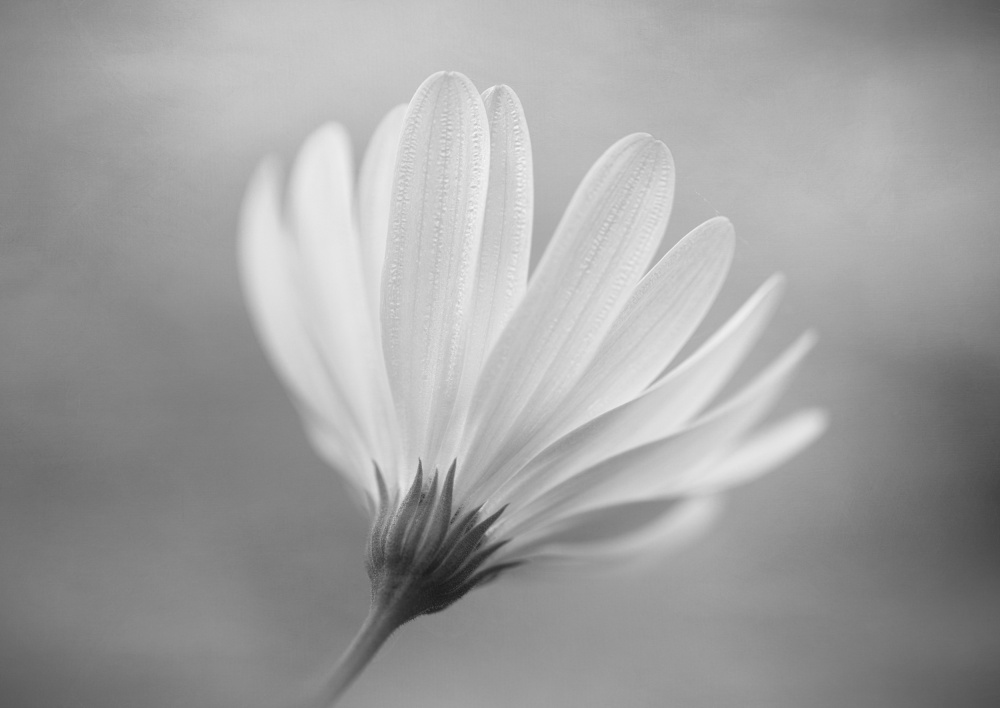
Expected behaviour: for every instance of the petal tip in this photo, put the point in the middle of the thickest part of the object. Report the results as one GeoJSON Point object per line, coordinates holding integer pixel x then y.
{"type": "Point", "coordinates": [442, 78]}
{"type": "Point", "coordinates": [774, 286]}
{"type": "Point", "coordinates": [816, 421]}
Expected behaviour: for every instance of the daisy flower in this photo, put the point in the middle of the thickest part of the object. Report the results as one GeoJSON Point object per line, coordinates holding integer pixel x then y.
{"type": "Point", "coordinates": [485, 419]}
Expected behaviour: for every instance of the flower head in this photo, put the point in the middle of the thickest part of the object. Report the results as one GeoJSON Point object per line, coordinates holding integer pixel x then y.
{"type": "Point", "coordinates": [485, 419]}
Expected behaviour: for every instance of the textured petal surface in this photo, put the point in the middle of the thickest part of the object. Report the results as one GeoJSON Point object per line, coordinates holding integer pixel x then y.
{"type": "Point", "coordinates": [374, 195]}
{"type": "Point", "coordinates": [599, 251]}
{"type": "Point", "coordinates": [436, 218]}
{"type": "Point", "coordinates": [662, 467]}
{"type": "Point", "coordinates": [502, 274]}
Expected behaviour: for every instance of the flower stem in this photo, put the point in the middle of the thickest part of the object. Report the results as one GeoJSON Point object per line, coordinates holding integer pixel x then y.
{"type": "Point", "coordinates": [380, 623]}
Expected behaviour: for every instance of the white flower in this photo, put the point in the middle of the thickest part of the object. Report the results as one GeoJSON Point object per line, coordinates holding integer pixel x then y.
{"type": "Point", "coordinates": [402, 318]}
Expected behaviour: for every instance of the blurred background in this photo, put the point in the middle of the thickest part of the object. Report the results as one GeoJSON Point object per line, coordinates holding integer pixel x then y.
{"type": "Point", "coordinates": [167, 538]}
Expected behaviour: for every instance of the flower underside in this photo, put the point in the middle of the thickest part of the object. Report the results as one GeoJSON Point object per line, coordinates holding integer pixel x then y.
{"type": "Point", "coordinates": [396, 305]}
{"type": "Point", "coordinates": [423, 553]}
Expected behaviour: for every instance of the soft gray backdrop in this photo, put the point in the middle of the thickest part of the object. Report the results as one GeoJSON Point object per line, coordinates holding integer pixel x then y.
{"type": "Point", "coordinates": [168, 539]}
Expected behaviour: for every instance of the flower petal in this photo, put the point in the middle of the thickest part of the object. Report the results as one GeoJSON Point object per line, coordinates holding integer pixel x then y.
{"type": "Point", "coordinates": [661, 314]}
{"type": "Point", "coordinates": [438, 200]}
{"type": "Point", "coordinates": [662, 467]}
{"type": "Point", "coordinates": [763, 452]}
{"type": "Point", "coordinates": [374, 195]}
{"type": "Point", "coordinates": [506, 246]}
{"type": "Point", "coordinates": [625, 530]}
{"type": "Point", "coordinates": [321, 205]}
{"type": "Point", "coordinates": [624, 533]}
{"type": "Point", "coordinates": [600, 249]}
{"type": "Point", "coordinates": [271, 277]}
{"type": "Point", "coordinates": [657, 412]}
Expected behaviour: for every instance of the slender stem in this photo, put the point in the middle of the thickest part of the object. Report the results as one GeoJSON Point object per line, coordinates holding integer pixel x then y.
{"type": "Point", "coordinates": [380, 623]}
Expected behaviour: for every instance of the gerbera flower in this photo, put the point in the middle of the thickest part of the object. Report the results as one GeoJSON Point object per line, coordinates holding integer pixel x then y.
{"type": "Point", "coordinates": [487, 420]}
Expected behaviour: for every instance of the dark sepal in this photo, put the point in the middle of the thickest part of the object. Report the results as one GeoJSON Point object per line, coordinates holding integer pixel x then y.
{"type": "Point", "coordinates": [423, 554]}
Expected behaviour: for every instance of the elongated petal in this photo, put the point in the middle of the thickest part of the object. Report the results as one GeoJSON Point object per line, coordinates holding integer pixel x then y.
{"type": "Point", "coordinates": [657, 412]}
{"type": "Point", "coordinates": [271, 278]}
{"type": "Point", "coordinates": [502, 274]}
{"type": "Point", "coordinates": [661, 468]}
{"type": "Point", "coordinates": [615, 528]}
{"type": "Point", "coordinates": [438, 199]}
{"type": "Point", "coordinates": [763, 452]}
{"type": "Point", "coordinates": [660, 315]}
{"type": "Point", "coordinates": [632, 533]}
{"type": "Point", "coordinates": [600, 249]}
{"type": "Point", "coordinates": [506, 245]}
{"type": "Point", "coordinates": [374, 196]}
{"type": "Point", "coordinates": [321, 202]}
{"type": "Point", "coordinates": [630, 529]}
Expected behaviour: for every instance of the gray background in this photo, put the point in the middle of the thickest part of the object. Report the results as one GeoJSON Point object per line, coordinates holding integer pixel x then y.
{"type": "Point", "coordinates": [168, 539]}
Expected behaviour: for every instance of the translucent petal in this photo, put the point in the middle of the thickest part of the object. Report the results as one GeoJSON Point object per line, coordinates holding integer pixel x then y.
{"type": "Point", "coordinates": [763, 452]}
{"type": "Point", "coordinates": [660, 315]}
{"type": "Point", "coordinates": [271, 278]}
{"type": "Point", "coordinates": [438, 200]}
{"type": "Point", "coordinates": [623, 530]}
{"type": "Point", "coordinates": [662, 467]}
{"type": "Point", "coordinates": [321, 202]}
{"type": "Point", "coordinates": [374, 195]}
{"type": "Point", "coordinates": [657, 412]}
{"type": "Point", "coordinates": [630, 533]}
{"type": "Point", "coordinates": [599, 251]}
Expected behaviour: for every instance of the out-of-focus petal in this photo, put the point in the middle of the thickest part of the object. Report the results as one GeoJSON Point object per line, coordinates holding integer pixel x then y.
{"type": "Point", "coordinates": [374, 195]}
{"type": "Point", "coordinates": [660, 410]}
{"type": "Point", "coordinates": [600, 249]}
{"type": "Point", "coordinates": [321, 200]}
{"type": "Point", "coordinates": [438, 200]}
{"type": "Point", "coordinates": [632, 534]}
{"type": "Point", "coordinates": [662, 467]}
{"type": "Point", "coordinates": [631, 529]}
{"type": "Point", "coordinates": [271, 278]}
{"type": "Point", "coordinates": [762, 452]}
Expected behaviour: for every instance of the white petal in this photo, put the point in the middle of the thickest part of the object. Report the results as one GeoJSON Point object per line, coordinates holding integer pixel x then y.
{"type": "Point", "coordinates": [502, 274]}
{"type": "Point", "coordinates": [600, 249]}
{"type": "Point", "coordinates": [628, 533]}
{"type": "Point", "coordinates": [506, 245]}
{"type": "Point", "coordinates": [271, 279]}
{"type": "Point", "coordinates": [374, 195]}
{"type": "Point", "coordinates": [321, 203]}
{"type": "Point", "coordinates": [438, 199]}
{"type": "Point", "coordinates": [665, 466]}
{"type": "Point", "coordinates": [660, 315]}
{"type": "Point", "coordinates": [660, 410]}
{"type": "Point", "coordinates": [357, 467]}
{"type": "Point", "coordinates": [763, 451]}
